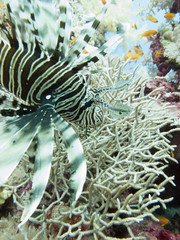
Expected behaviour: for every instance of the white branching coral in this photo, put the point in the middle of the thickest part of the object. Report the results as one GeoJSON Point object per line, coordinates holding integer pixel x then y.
{"type": "Point", "coordinates": [117, 12]}
{"type": "Point", "coordinates": [126, 160]}
{"type": "Point", "coordinates": [172, 45]}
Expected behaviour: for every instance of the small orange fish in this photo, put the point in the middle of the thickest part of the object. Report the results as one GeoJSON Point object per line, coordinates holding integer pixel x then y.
{"type": "Point", "coordinates": [129, 50]}
{"type": "Point", "coordinates": [138, 51]}
{"type": "Point", "coordinates": [1, 5]}
{"type": "Point", "coordinates": [85, 51]}
{"type": "Point", "coordinates": [73, 40]}
{"type": "Point", "coordinates": [172, 154]}
{"type": "Point", "coordinates": [169, 15]}
{"type": "Point", "coordinates": [152, 19]}
{"type": "Point", "coordinates": [158, 53]}
{"type": "Point", "coordinates": [163, 221]}
{"type": "Point", "coordinates": [134, 26]}
{"type": "Point", "coordinates": [142, 19]}
{"type": "Point", "coordinates": [112, 25]}
{"type": "Point", "coordinates": [104, 1]}
{"type": "Point", "coordinates": [148, 34]}
{"type": "Point", "coordinates": [132, 56]}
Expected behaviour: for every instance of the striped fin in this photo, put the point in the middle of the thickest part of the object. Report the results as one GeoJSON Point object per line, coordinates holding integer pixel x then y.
{"type": "Point", "coordinates": [85, 36]}
{"type": "Point", "coordinates": [16, 136]}
{"type": "Point", "coordinates": [20, 13]}
{"type": "Point", "coordinates": [45, 23]}
{"type": "Point", "coordinates": [75, 156]}
{"type": "Point", "coordinates": [64, 23]}
{"type": "Point", "coordinates": [42, 165]}
{"type": "Point", "coordinates": [95, 55]}
{"type": "Point", "coordinates": [22, 16]}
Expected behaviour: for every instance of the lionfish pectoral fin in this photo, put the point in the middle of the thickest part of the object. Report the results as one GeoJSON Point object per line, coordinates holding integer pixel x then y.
{"type": "Point", "coordinates": [16, 136]}
{"type": "Point", "coordinates": [75, 156]}
{"type": "Point", "coordinates": [118, 110]}
{"type": "Point", "coordinates": [42, 165]}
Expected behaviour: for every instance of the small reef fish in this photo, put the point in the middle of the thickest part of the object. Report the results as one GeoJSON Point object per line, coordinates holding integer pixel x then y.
{"type": "Point", "coordinates": [158, 53]}
{"type": "Point", "coordinates": [149, 34]}
{"type": "Point", "coordinates": [1, 5]}
{"type": "Point", "coordinates": [172, 154]}
{"type": "Point", "coordinates": [104, 1]}
{"type": "Point", "coordinates": [85, 51]}
{"type": "Point", "coordinates": [138, 51]}
{"type": "Point", "coordinates": [152, 19]}
{"type": "Point", "coordinates": [134, 26]}
{"type": "Point", "coordinates": [73, 40]}
{"type": "Point", "coordinates": [132, 56]}
{"type": "Point", "coordinates": [163, 221]}
{"type": "Point", "coordinates": [169, 15]}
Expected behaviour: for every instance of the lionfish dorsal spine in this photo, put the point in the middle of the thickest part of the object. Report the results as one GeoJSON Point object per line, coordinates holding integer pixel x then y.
{"type": "Point", "coordinates": [64, 17]}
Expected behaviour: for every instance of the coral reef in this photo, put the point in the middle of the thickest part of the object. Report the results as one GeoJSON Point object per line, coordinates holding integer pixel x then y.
{"type": "Point", "coordinates": [114, 13]}
{"type": "Point", "coordinates": [168, 92]}
{"type": "Point", "coordinates": [172, 48]}
{"type": "Point", "coordinates": [161, 4]}
{"type": "Point", "coordinates": [166, 50]}
{"type": "Point", "coordinates": [175, 7]}
{"type": "Point", "coordinates": [5, 193]}
{"type": "Point", "coordinates": [158, 57]}
{"type": "Point", "coordinates": [126, 158]}
{"type": "Point", "coordinates": [9, 230]}
{"type": "Point", "coordinates": [153, 231]}
{"type": "Point", "coordinates": [126, 161]}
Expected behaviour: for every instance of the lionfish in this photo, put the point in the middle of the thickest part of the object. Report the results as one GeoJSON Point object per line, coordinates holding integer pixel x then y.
{"type": "Point", "coordinates": [39, 72]}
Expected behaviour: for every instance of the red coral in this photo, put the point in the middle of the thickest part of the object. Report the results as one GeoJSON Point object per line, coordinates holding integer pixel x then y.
{"type": "Point", "coordinates": [176, 7]}
{"type": "Point", "coordinates": [166, 235]}
{"type": "Point", "coordinates": [178, 237]}
{"type": "Point", "coordinates": [158, 57]}
{"type": "Point", "coordinates": [167, 94]}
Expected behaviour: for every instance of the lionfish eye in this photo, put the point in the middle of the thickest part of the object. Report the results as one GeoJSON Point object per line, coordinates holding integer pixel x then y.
{"type": "Point", "coordinates": [88, 104]}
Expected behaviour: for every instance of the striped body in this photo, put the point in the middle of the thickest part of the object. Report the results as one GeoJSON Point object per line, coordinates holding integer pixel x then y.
{"type": "Point", "coordinates": [30, 71]}
{"type": "Point", "coordinates": [39, 70]}
{"type": "Point", "coordinates": [30, 75]}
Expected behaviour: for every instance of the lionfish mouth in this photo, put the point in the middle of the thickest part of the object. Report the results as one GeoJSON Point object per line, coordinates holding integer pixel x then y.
{"type": "Point", "coordinates": [36, 58]}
